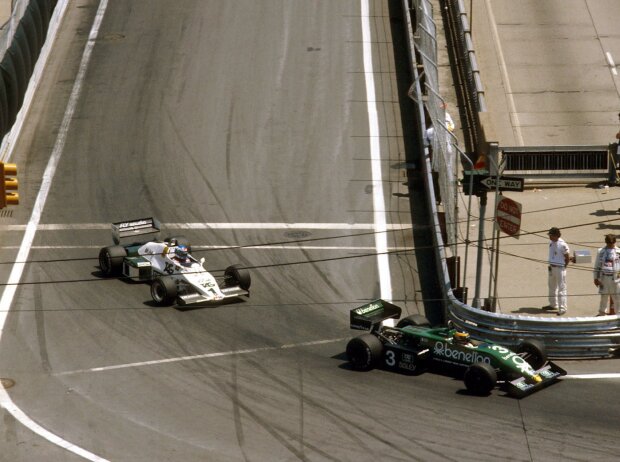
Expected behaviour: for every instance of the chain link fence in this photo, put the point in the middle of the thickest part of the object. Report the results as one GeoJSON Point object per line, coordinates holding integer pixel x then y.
{"type": "Point", "coordinates": [438, 126]}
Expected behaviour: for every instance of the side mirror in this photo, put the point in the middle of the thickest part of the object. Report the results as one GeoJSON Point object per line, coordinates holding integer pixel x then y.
{"type": "Point", "coordinates": [202, 261]}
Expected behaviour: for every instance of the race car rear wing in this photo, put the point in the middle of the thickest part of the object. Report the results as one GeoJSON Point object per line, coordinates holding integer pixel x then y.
{"type": "Point", "coordinates": [130, 229]}
{"type": "Point", "coordinates": [366, 317]}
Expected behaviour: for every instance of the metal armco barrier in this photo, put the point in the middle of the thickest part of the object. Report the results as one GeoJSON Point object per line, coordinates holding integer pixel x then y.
{"type": "Point", "coordinates": [591, 337]}
{"type": "Point", "coordinates": [595, 337]}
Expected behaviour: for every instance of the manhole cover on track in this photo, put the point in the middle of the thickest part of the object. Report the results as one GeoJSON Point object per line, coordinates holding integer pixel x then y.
{"type": "Point", "coordinates": [297, 234]}
{"type": "Point", "coordinates": [7, 383]}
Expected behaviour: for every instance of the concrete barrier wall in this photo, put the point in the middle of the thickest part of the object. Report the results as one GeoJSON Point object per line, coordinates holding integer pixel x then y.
{"type": "Point", "coordinates": [46, 16]}
{"type": "Point", "coordinates": [21, 41]}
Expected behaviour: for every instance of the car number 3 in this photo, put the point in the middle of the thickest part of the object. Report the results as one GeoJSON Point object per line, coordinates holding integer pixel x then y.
{"type": "Point", "coordinates": [390, 358]}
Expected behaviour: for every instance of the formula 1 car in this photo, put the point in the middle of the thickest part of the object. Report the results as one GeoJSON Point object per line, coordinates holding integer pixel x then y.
{"type": "Point", "coordinates": [412, 346]}
{"type": "Point", "coordinates": [175, 275]}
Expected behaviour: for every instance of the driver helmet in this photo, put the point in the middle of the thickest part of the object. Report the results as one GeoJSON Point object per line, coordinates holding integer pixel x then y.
{"type": "Point", "coordinates": [461, 337]}
{"type": "Point", "coordinates": [181, 251]}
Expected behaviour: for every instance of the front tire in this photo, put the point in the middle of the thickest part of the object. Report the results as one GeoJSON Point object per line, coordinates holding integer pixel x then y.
{"type": "Point", "coordinates": [237, 276]}
{"type": "Point", "coordinates": [164, 291]}
{"type": "Point", "coordinates": [111, 260]}
{"type": "Point", "coordinates": [533, 352]}
{"type": "Point", "coordinates": [364, 352]}
{"type": "Point", "coordinates": [480, 379]}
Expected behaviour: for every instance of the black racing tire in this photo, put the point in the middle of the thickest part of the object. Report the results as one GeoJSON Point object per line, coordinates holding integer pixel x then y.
{"type": "Point", "coordinates": [164, 291]}
{"type": "Point", "coordinates": [414, 320]}
{"type": "Point", "coordinates": [533, 352]}
{"type": "Point", "coordinates": [364, 352]}
{"type": "Point", "coordinates": [111, 260]}
{"type": "Point", "coordinates": [235, 275]}
{"type": "Point", "coordinates": [480, 379]}
{"type": "Point", "coordinates": [181, 240]}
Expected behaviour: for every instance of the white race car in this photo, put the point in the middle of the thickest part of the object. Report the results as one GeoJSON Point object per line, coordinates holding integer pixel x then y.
{"type": "Point", "coordinates": [175, 275]}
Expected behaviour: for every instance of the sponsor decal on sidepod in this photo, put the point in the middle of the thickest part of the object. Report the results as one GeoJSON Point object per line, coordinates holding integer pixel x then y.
{"type": "Point", "coordinates": [468, 357]}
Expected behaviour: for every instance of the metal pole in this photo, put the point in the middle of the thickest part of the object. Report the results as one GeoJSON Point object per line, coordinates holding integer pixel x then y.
{"type": "Point", "coordinates": [493, 256]}
{"type": "Point", "coordinates": [471, 190]}
{"type": "Point", "coordinates": [496, 271]}
{"type": "Point", "coordinates": [493, 276]}
{"type": "Point", "coordinates": [483, 206]}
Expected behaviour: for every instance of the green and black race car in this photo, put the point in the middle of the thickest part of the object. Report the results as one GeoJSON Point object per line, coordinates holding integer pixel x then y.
{"type": "Point", "coordinates": [412, 346]}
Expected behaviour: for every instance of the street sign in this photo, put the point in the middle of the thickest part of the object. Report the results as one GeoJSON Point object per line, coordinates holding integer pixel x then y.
{"type": "Point", "coordinates": [506, 183]}
{"type": "Point", "coordinates": [471, 182]}
{"type": "Point", "coordinates": [508, 216]}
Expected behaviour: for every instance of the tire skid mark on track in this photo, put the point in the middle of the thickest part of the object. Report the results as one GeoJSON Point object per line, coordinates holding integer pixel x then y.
{"type": "Point", "coordinates": [392, 428]}
{"type": "Point", "coordinates": [39, 314]}
{"type": "Point", "coordinates": [279, 432]}
{"type": "Point", "coordinates": [347, 424]}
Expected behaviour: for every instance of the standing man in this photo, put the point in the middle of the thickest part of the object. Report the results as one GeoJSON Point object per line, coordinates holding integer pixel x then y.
{"type": "Point", "coordinates": [606, 273]}
{"type": "Point", "coordinates": [558, 261]}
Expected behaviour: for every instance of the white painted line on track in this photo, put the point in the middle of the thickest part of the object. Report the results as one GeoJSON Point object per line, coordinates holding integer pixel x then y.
{"type": "Point", "coordinates": [19, 415]}
{"type": "Point", "coordinates": [22, 256]}
{"type": "Point", "coordinates": [206, 226]}
{"type": "Point", "coordinates": [378, 197]}
{"type": "Point", "coordinates": [612, 375]}
{"type": "Point", "coordinates": [516, 124]}
{"type": "Point", "coordinates": [202, 356]}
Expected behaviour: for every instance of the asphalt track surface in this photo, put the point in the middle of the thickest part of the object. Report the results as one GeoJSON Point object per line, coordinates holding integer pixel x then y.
{"type": "Point", "coordinates": [233, 113]}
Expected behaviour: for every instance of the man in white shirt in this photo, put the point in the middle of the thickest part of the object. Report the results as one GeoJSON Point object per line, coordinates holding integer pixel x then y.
{"type": "Point", "coordinates": [558, 261]}
{"type": "Point", "coordinates": [607, 273]}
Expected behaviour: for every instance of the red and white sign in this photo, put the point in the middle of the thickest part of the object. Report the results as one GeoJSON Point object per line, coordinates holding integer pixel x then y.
{"type": "Point", "coordinates": [508, 216]}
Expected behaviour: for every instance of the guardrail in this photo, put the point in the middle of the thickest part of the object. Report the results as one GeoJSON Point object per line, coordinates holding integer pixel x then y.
{"type": "Point", "coordinates": [588, 337]}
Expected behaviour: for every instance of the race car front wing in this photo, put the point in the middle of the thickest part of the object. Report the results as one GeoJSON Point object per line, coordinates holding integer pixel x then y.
{"type": "Point", "coordinates": [548, 375]}
{"type": "Point", "coordinates": [228, 292]}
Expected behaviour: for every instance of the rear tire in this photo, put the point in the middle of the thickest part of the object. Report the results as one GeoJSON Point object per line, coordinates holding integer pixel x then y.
{"type": "Point", "coordinates": [164, 291]}
{"type": "Point", "coordinates": [480, 379]}
{"type": "Point", "coordinates": [237, 276]}
{"type": "Point", "coordinates": [414, 320]}
{"type": "Point", "coordinates": [364, 352]}
{"type": "Point", "coordinates": [111, 260]}
{"type": "Point", "coordinates": [533, 352]}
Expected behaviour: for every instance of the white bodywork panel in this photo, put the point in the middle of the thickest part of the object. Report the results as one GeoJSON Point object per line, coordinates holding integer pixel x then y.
{"type": "Point", "coordinates": [164, 261]}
